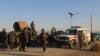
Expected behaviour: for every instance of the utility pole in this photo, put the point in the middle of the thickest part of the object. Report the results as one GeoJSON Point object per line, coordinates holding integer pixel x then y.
{"type": "Point", "coordinates": [71, 15]}
{"type": "Point", "coordinates": [91, 22]}
{"type": "Point", "coordinates": [92, 36]}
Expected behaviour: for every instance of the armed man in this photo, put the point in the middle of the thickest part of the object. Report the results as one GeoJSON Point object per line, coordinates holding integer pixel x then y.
{"type": "Point", "coordinates": [4, 38]}
{"type": "Point", "coordinates": [23, 40]}
{"type": "Point", "coordinates": [52, 36]}
{"type": "Point", "coordinates": [80, 39]}
{"type": "Point", "coordinates": [43, 37]}
{"type": "Point", "coordinates": [11, 40]}
{"type": "Point", "coordinates": [33, 34]}
{"type": "Point", "coordinates": [32, 26]}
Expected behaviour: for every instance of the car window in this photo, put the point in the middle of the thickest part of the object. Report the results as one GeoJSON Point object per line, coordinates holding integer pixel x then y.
{"type": "Point", "coordinates": [60, 32]}
{"type": "Point", "coordinates": [86, 31]}
{"type": "Point", "coordinates": [71, 31]}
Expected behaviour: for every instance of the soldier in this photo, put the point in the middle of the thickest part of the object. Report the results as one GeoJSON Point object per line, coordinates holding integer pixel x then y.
{"type": "Point", "coordinates": [53, 30]}
{"type": "Point", "coordinates": [32, 26]}
{"type": "Point", "coordinates": [80, 38]}
{"type": "Point", "coordinates": [35, 38]}
{"type": "Point", "coordinates": [29, 37]}
{"type": "Point", "coordinates": [43, 37]}
{"type": "Point", "coordinates": [53, 34]}
{"type": "Point", "coordinates": [4, 38]}
{"type": "Point", "coordinates": [11, 40]}
{"type": "Point", "coordinates": [23, 39]}
{"type": "Point", "coordinates": [34, 34]}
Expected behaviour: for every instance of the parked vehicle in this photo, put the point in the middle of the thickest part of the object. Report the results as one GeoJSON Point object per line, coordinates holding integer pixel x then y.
{"type": "Point", "coordinates": [53, 38]}
{"type": "Point", "coordinates": [70, 37]}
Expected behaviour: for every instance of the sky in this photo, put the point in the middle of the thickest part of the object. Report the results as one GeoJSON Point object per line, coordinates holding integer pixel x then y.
{"type": "Point", "coordinates": [49, 13]}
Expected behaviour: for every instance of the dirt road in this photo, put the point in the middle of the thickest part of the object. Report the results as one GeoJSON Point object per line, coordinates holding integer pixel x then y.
{"type": "Point", "coordinates": [50, 52]}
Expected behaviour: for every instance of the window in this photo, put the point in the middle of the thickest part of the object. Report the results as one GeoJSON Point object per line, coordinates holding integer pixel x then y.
{"type": "Point", "coordinates": [71, 31]}
{"type": "Point", "coordinates": [86, 31]}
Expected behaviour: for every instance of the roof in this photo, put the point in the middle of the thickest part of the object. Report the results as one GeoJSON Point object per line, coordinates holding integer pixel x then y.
{"type": "Point", "coordinates": [78, 28]}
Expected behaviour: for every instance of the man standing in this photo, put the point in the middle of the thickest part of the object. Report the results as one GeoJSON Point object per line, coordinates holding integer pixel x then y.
{"type": "Point", "coordinates": [35, 38]}
{"type": "Point", "coordinates": [53, 34]}
{"type": "Point", "coordinates": [80, 39]}
{"type": "Point", "coordinates": [53, 30]}
{"type": "Point", "coordinates": [32, 26]}
{"type": "Point", "coordinates": [11, 40]}
{"type": "Point", "coordinates": [43, 37]}
{"type": "Point", "coordinates": [4, 38]}
{"type": "Point", "coordinates": [34, 34]}
{"type": "Point", "coordinates": [23, 39]}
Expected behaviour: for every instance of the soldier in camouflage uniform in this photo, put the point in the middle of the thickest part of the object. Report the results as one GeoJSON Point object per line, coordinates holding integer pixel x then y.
{"type": "Point", "coordinates": [23, 39]}
{"type": "Point", "coordinates": [11, 40]}
{"type": "Point", "coordinates": [43, 37]}
{"type": "Point", "coordinates": [32, 26]}
{"type": "Point", "coordinates": [35, 38]}
{"type": "Point", "coordinates": [80, 39]}
{"type": "Point", "coordinates": [33, 34]}
{"type": "Point", "coordinates": [4, 38]}
{"type": "Point", "coordinates": [53, 34]}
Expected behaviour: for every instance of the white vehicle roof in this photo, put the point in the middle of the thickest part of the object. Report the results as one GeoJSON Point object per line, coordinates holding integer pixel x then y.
{"type": "Point", "coordinates": [78, 29]}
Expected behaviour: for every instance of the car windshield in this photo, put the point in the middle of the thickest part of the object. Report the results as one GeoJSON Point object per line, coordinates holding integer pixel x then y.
{"type": "Point", "coordinates": [60, 32]}
{"type": "Point", "coordinates": [71, 32]}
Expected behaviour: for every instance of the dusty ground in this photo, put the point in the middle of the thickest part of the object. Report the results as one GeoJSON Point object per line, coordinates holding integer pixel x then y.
{"type": "Point", "coordinates": [50, 52]}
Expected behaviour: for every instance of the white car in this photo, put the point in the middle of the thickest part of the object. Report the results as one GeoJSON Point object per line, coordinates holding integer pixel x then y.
{"type": "Point", "coordinates": [71, 38]}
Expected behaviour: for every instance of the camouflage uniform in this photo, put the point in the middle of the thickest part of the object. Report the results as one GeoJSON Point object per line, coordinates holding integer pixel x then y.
{"type": "Point", "coordinates": [34, 34]}
{"type": "Point", "coordinates": [53, 34]}
{"type": "Point", "coordinates": [4, 39]}
{"type": "Point", "coordinates": [43, 37]}
{"type": "Point", "coordinates": [11, 40]}
{"type": "Point", "coordinates": [23, 40]}
{"type": "Point", "coordinates": [80, 38]}
{"type": "Point", "coordinates": [34, 38]}
{"type": "Point", "coordinates": [32, 26]}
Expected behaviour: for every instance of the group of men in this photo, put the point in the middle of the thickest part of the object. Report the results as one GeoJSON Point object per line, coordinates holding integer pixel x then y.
{"type": "Point", "coordinates": [27, 36]}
